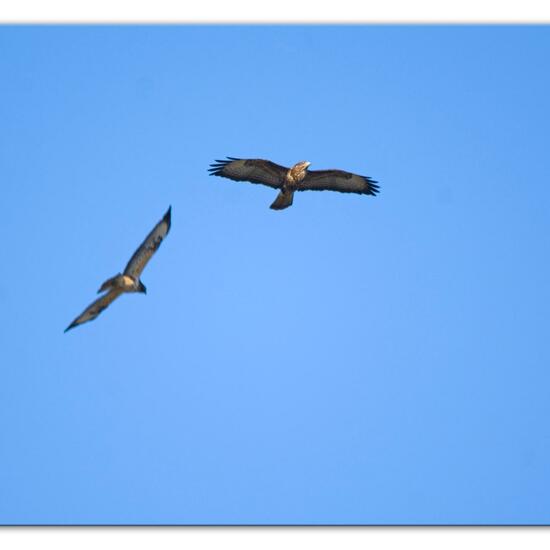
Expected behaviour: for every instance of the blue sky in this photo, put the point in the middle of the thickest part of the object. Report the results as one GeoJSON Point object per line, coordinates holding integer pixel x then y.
{"type": "Point", "coordinates": [348, 360]}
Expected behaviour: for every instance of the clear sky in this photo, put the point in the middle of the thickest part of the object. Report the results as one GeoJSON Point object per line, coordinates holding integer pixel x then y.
{"type": "Point", "coordinates": [351, 359]}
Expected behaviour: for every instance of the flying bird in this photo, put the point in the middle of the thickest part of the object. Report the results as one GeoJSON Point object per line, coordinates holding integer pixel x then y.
{"type": "Point", "coordinates": [129, 280]}
{"type": "Point", "coordinates": [289, 180]}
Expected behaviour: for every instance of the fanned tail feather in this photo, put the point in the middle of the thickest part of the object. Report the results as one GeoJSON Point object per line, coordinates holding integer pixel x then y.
{"type": "Point", "coordinates": [283, 200]}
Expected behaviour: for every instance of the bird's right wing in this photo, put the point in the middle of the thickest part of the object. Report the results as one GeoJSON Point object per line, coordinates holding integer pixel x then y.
{"type": "Point", "coordinates": [94, 309]}
{"type": "Point", "coordinates": [252, 170]}
{"type": "Point", "coordinates": [149, 246]}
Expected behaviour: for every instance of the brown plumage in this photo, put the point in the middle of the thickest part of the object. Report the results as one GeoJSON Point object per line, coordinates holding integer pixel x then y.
{"type": "Point", "coordinates": [129, 280]}
{"type": "Point", "coordinates": [289, 180]}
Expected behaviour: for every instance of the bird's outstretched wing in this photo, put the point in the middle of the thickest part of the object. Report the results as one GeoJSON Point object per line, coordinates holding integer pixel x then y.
{"type": "Point", "coordinates": [338, 180]}
{"type": "Point", "coordinates": [148, 247]}
{"type": "Point", "coordinates": [95, 308]}
{"type": "Point", "coordinates": [252, 170]}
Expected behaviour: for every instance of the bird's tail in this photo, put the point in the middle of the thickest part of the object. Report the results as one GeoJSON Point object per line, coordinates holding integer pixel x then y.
{"type": "Point", "coordinates": [108, 283]}
{"type": "Point", "coordinates": [283, 200]}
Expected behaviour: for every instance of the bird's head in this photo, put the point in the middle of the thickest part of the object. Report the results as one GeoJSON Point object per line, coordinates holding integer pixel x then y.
{"type": "Point", "coordinates": [299, 169]}
{"type": "Point", "coordinates": [142, 288]}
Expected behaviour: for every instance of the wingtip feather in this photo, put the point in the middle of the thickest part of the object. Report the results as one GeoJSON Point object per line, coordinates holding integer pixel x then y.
{"type": "Point", "coordinates": [218, 165]}
{"type": "Point", "coordinates": [372, 189]}
{"type": "Point", "coordinates": [168, 218]}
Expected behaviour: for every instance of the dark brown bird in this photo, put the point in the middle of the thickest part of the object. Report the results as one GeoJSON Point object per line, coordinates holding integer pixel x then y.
{"type": "Point", "coordinates": [289, 180]}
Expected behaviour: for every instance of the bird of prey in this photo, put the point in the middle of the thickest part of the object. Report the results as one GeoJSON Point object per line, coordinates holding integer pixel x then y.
{"type": "Point", "coordinates": [289, 180]}
{"type": "Point", "coordinates": [129, 280]}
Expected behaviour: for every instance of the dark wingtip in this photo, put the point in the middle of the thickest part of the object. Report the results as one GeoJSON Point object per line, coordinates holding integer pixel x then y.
{"type": "Point", "coordinates": [217, 166]}
{"type": "Point", "coordinates": [372, 188]}
{"type": "Point", "coordinates": [168, 218]}
{"type": "Point", "coordinates": [72, 325]}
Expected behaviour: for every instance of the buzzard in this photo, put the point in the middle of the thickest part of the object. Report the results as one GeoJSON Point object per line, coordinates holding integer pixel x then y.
{"type": "Point", "coordinates": [288, 180]}
{"type": "Point", "coordinates": [129, 280]}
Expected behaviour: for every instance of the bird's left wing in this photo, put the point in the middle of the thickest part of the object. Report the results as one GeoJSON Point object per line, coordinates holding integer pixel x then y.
{"type": "Point", "coordinates": [148, 247]}
{"type": "Point", "coordinates": [95, 308]}
{"type": "Point", "coordinates": [252, 170]}
{"type": "Point", "coordinates": [338, 180]}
